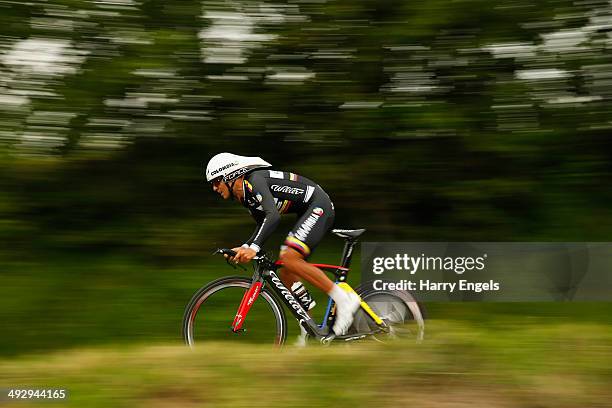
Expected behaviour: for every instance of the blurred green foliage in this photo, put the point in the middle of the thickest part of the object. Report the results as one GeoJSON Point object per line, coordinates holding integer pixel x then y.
{"type": "Point", "coordinates": [443, 121]}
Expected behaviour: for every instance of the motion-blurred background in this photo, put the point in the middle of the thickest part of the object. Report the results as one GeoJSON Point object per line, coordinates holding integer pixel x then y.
{"type": "Point", "coordinates": [427, 121]}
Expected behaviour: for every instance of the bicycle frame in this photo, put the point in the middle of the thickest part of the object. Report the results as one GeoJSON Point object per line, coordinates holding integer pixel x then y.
{"type": "Point", "coordinates": [265, 273]}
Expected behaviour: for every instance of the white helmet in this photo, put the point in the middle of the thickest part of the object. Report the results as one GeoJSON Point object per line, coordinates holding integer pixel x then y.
{"type": "Point", "coordinates": [231, 166]}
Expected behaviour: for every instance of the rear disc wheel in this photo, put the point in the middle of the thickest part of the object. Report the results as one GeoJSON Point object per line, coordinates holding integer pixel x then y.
{"type": "Point", "coordinates": [401, 313]}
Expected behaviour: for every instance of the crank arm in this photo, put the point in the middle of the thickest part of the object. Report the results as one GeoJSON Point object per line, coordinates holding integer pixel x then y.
{"type": "Point", "coordinates": [352, 337]}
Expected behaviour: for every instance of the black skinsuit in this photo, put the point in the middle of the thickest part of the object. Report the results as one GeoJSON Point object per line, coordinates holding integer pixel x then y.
{"type": "Point", "coordinates": [270, 193]}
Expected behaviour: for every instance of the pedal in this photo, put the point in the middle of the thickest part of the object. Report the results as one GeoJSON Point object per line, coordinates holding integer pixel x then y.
{"type": "Point", "coordinates": [328, 339]}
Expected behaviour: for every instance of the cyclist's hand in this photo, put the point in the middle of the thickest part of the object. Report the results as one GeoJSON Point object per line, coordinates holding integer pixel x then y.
{"type": "Point", "coordinates": [243, 255]}
{"type": "Point", "coordinates": [226, 256]}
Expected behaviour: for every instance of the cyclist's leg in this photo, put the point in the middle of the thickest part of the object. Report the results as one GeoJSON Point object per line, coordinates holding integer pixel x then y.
{"type": "Point", "coordinates": [311, 227]}
{"type": "Point", "coordinates": [309, 230]}
{"type": "Point", "coordinates": [288, 277]}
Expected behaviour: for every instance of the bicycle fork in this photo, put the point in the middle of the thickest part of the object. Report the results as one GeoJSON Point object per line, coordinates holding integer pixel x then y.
{"type": "Point", "coordinates": [248, 299]}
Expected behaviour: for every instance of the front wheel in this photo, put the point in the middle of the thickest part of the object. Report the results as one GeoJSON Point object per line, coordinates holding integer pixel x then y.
{"type": "Point", "coordinates": [403, 315]}
{"type": "Point", "coordinates": [211, 311]}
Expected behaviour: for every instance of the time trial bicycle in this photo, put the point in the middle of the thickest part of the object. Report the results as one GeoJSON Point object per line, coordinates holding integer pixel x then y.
{"type": "Point", "coordinates": [383, 315]}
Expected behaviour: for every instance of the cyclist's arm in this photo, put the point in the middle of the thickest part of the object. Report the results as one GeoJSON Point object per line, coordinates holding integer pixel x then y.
{"type": "Point", "coordinates": [270, 217]}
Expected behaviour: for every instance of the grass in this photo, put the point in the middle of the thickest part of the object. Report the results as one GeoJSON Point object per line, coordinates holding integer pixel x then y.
{"type": "Point", "coordinates": [461, 363]}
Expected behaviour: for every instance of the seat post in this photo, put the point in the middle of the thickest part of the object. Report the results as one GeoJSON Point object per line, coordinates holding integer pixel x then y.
{"type": "Point", "coordinates": [347, 253]}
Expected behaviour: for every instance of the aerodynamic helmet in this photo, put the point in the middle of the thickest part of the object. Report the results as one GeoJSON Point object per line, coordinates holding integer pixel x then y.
{"type": "Point", "coordinates": [231, 166]}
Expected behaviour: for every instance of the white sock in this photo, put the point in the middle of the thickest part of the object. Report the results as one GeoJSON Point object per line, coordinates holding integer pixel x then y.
{"type": "Point", "coordinates": [338, 295]}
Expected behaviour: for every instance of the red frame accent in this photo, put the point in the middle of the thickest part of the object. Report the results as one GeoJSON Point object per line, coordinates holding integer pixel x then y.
{"type": "Point", "coordinates": [245, 305]}
{"type": "Point", "coordinates": [342, 268]}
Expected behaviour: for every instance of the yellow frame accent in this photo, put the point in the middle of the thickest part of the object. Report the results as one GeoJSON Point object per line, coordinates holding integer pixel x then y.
{"type": "Point", "coordinates": [345, 286]}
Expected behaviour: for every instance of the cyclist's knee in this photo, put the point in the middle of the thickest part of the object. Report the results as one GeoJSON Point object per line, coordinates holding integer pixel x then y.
{"type": "Point", "coordinates": [291, 258]}
{"type": "Point", "coordinates": [289, 262]}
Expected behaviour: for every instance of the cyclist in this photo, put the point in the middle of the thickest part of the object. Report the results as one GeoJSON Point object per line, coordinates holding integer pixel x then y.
{"type": "Point", "coordinates": [267, 194]}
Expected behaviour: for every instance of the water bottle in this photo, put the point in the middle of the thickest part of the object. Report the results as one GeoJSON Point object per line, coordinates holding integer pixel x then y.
{"type": "Point", "coordinates": [302, 295]}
